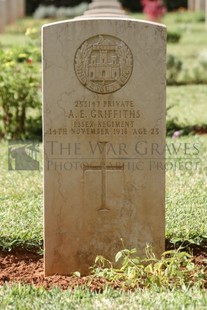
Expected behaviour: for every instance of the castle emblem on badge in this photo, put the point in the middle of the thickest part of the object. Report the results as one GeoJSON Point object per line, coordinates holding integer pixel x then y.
{"type": "Point", "coordinates": [103, 64]}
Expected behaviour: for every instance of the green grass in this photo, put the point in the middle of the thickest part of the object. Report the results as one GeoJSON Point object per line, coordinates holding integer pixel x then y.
{"type": "Point", "coordinates": [193, 41]}
{"type": "Point", "coordinates": [21, 206]}
{"type": "Point", "coordinates": [15, 33]}
{"type": "Point", "coordinates": [20, 297]}
{"type": "Point", "coordinates": [8, 40]}
{"type": "Point", "coordinates": [187, 107]}
{"type": "Point", "coordinates": [186, 196]}
{"type": "Point", "coordinates": [194, 35]}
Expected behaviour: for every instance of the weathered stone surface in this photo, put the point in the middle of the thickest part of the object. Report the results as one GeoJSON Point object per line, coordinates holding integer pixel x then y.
{"type": "Point", "coordinates": [104, 140]}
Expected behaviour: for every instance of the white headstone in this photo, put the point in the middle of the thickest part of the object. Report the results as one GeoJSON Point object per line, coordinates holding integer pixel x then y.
{"type": "Point", "coordinates": [191, 5]}
{"type": "Point", "coordinates": [21, 8]}
{"type": "Point", "coordinates": [11, 11]}
{"type": "Point", "coordinates": [206, 14]}
{"type": "Point", "coordinates": [104, 139]}
{"type": "Point", "coordinates": [199, 5]}
{"type": "Point", "coordinates": [3, 13]}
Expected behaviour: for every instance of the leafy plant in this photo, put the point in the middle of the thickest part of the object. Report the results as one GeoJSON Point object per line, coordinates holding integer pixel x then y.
{"type": "Point", "coordinates": [19, 91]}
{"type": "Point", "coordinates": [190, 17]}
{"type": "Point", "coordinates": [51, 11]}
{"type": "Point", "coordinates": [199, 71]}
{"type": "Point", "coordinates": [200, 17]}
{"type": "Point", "coordinates": [174, 269]}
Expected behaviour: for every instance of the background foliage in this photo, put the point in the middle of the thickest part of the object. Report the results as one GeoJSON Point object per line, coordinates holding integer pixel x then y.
{"type": "Point", "coordinates": [133, 5]}
{"type": "Point", "coordinates": [20, 89]}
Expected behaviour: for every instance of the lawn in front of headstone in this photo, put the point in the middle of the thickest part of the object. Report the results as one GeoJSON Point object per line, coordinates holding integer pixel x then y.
{"type": "Point", "coordinates": [21, 209]}
{"type": "Point", "coordinates": [186, 107]}
{"type": "Point", "coordinates": [18, 297]}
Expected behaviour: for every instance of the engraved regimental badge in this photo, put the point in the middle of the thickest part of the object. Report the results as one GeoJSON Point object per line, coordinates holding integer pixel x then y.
{"type": "Point", "coordinates": [103, 64]}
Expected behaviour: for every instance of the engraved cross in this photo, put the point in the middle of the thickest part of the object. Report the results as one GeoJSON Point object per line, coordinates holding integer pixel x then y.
{"type": "Point", "coordinates": [103, 167]}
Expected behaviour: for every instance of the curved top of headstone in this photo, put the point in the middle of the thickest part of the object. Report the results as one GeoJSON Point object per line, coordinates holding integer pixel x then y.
{"type": "Point", "coordinates": [104, 8]}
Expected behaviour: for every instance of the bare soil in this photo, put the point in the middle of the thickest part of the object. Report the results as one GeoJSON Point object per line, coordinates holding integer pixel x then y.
{"type": "Point", "coordinates": [27, 267]}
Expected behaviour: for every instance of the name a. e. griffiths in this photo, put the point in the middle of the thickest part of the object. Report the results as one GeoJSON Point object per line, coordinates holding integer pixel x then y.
{"type": "Point", "coordinates": [105, 114]}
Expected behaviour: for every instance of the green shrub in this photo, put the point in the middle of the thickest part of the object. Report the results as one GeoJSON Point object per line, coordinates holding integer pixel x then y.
{"type": "Point", "coordinates": [173, 37]}
{"type": "Point", "coordinates": [174, 67]}
{"type": "Point", "coordinates": [200, 17]}
{"type": "Point", "coordinates": [199, 71]}
{"type": "Point", "coordinates": [19, 92]}
{"type": "Point", "coordinates": [52, 11]}
{"type": "Point", "coordinates": [199, 74]}
{"type": "Point", "coordinates": [190, 17]}
{"type": "Point", "coordinates": [175, 269]}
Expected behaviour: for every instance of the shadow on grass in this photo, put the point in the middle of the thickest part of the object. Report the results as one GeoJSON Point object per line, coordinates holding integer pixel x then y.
{"type": "Point", "coordinates": [192, 248]}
